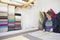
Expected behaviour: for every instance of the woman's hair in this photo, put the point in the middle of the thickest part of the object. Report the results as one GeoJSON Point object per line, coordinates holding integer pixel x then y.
{"type": "Point", "coordinates": [48, 12]}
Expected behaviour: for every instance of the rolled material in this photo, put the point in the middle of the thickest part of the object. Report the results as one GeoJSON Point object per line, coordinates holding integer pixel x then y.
{"type": "Point", "coordinates": [10, 28]}
{"type": "Point", "coordinates": [3, 20]}
{"type": "Point", "coordinates": [41, 17]}
{"type": "Point", "coordinates": [17, 18]}
{"type": "Point", "coordinates": [16, 14]}
{"type": "Point", "coordinates": [17, 28]}
{"type": "Point", "coordinates": [10, 18]}
{"type": "Point", "coordinates": [3, 14]}
{"type": "Point", "coordinates": [3, 17]}
{"type": "Point", "coordinates": [17, 22]}
{"type": "Point", "coordinates": [10, 14]}
{"type": "Point", "coordinates": [53, 13]}
{"type": "Point", "coordinates": [3, 29]}
{"type": "Point", "coordinates": [10, 22]}
{"type": "Point", "coordinates": [3, 24]}
{"type": "Point", "coordinates": [18, 25]}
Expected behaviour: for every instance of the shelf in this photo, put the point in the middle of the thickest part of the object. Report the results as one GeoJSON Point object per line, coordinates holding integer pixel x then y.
{"type": "Point", "coordinates": [22, 4]}
{"type": "Point", "coordinates": [11, 3]}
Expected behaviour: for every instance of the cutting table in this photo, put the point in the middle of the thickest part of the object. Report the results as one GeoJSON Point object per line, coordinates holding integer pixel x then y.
{"type": "Point", "coordinates": [37, 35]}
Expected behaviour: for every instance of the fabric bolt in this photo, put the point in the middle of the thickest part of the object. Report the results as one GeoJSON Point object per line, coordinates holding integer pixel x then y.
{"type": "Point", "coordinates": [53, 13]}
{"type": "Point", "coordinates": [17, 28]}
{"type": "Point", "coordinates": [41, 17]}
{"type": "Point", "coordinates": [3, 17]}
{"type": "Point", "coordinates": [3, 24]}
{"type": "Point", "coordinates": [17, 14]}
{"type": "Point", "coordinates": [3, 29]}
{"type": "Point", "coordinates": [1, 20]}
{"type": "Point", "coordinates": [17, 23]}
{"type": "Point", "coordinates": [18, 19]}
{"type": "Point", "coordinates": [10, 14]}
{"type": "Point", "coordinates": [58, 19]}
{"type": "Point", "coordinates": [3, 14]}
{"type": "Point", "coordinates": [10, 22]}
{"type": "Point", "coordinates": [11, 27]}
{"type": "Point", "coordinates": [10, 18]}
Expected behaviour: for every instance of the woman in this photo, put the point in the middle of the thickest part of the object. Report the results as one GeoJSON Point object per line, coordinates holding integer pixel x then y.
{"type": "Point", "coordinates": [49, 23]}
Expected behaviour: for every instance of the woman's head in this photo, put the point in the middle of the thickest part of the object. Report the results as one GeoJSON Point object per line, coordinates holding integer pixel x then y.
{"type": "Point", "coordinates": [48, 14]}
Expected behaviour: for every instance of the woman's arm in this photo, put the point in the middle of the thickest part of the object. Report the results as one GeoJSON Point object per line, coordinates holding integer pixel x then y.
{"type": "Point", "coordinates": [54, 23]}
{"type": "Point", "coordinates": [43, 25]}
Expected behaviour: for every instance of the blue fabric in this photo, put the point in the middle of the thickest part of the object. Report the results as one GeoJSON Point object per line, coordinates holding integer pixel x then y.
{"type": "Point", "coordinates": [54, 25]}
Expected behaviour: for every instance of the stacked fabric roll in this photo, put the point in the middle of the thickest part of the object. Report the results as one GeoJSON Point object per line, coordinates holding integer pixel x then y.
{"type": "Point", "coordinates": [3, 18]}
{"type": "Point", "coordinates": [11, 18]}
{"type": "Point", "coordinates": [41, 17]}
{"type": "Point", "coordinates": [11, 23]}
{"type": "Point", "coordinates": [17, 21]}
{"type": "Point", "coordinates": [3, 22]}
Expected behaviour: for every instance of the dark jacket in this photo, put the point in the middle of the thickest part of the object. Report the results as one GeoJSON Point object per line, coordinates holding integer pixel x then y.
{"type": "Point", "coordinates": [54, 23]}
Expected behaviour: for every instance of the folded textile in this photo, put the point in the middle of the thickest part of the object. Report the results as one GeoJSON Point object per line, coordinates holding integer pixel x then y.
{"type": "Point", "coordinates": [3, 24]}
{"type": "Point", "coordinates": [17, 14]}
{"type": "Point", "coordinates": [10, 22]}
{"type": "Point", "coordinates": [41, 17]}
{"type": "Point", "coordinates": [3, 17]}
{"type": "Point", "coordinates": [53, 13]}
{"type": "Point", "coordinates": [2, 20]}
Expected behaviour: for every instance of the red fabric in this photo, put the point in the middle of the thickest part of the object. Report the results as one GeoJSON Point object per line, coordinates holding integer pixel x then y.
{"type": "Point", "coordinates": [53, 13]}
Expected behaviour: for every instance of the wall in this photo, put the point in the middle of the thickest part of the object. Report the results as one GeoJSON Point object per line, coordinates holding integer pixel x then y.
{"type": "Point", "coordinates": [47, 4]}
{"type": "Point", "coordinates": [30, 16]}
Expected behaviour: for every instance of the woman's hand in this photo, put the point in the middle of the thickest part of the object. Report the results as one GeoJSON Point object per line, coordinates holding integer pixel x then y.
{"type": "Point", "coordinates": [43, 30]}
{"type": "Point", "coordinates": [51, 30]}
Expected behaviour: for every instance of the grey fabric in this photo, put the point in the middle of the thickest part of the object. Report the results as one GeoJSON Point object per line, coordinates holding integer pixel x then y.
{"type": "Point", "coordinates": [31, 37]}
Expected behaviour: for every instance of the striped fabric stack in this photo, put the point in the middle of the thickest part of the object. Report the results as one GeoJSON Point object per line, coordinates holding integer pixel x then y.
{"type": "Point", "coordinates": [11, 18]}
{"type": "Point", "coordinates": [3, 18]}
{"type": "Point", "coordinates": [17, 21]}
{"type": "Point", "coordinates": [3, 22]}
